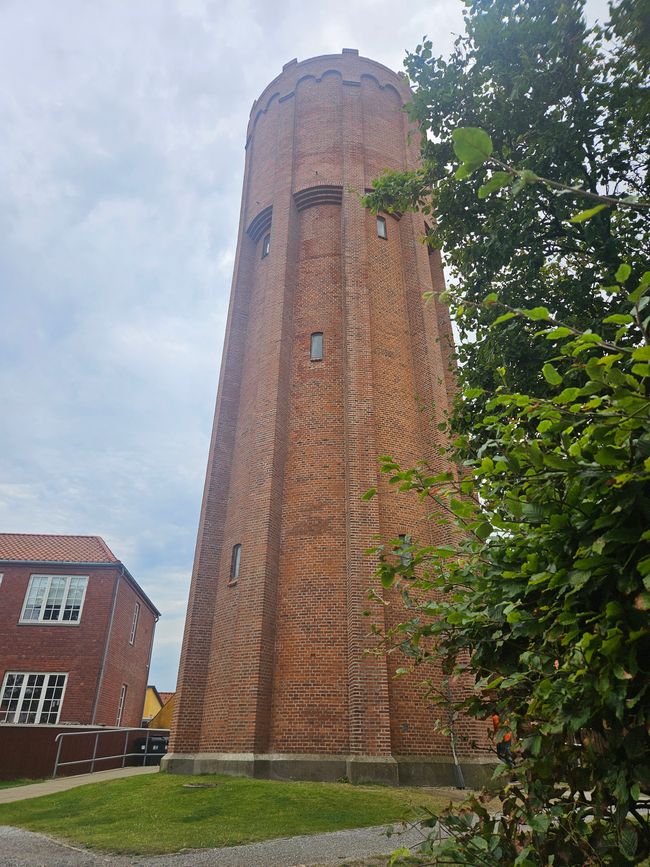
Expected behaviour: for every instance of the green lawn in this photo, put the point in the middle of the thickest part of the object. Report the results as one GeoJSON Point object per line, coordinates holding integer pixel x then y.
{"type": "Point", "coordinates": [9, 784]}
{"type": "Point", "coordinates": [157, 813]}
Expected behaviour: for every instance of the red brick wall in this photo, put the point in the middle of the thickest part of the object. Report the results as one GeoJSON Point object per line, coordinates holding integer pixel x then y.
{"type": "Point", "coordinates": [275, 662]}
{"type": "Point", "coordinates": [78, 649]}
{"type": "Point", "coordinates": [126, 663]}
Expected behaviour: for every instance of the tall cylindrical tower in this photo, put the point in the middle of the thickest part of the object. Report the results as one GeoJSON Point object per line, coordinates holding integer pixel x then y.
{"type": "Point", "coordinates": [331, 359]}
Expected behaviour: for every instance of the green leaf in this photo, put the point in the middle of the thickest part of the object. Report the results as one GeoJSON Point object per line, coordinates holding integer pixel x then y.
{"type": "Point", "coordinates": [629, 841]}
{"type": "Point", "coordinates": [551, 375]}
{"type": "Point", "coordinates": [619, 318]}
{"type": "Point", "coordinates": [581, 216]}
{"type": "Point", "coordinates": [641, 354]}
{"type": "Point", "coordinates": [609, 456]}
{"type": "Point", "coordinates": [472, 146]}
{"type": "Point", "coordinates": [567, 395]}
{"type": "Point", "coordinates": [540, 822]}
{"type": "Point", "coordinates": [537, 313]}
{"type": "Point", "coordinates": [558, 333]}
{"type": "Point", "coordinates": [463, 172]}
{"type": "Point", "coordinates": [369, 494]}
{"type": "Point", "coordinates": [496, 182]}
{"type": "Point", "coordinates": [503, 318]}
{"type": "Point", "coordinates": [623, 273]}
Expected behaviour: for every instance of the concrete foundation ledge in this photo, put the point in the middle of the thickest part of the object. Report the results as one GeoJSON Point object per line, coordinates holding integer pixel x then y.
{"type": "Point", "coordinates": [230, 764]}
{"type": "Point", "coordinates": [437, 771]}
{"type": "Point", "coordinates": [382, 770]}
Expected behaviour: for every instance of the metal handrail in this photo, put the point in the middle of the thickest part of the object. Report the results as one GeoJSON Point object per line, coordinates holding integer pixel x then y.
{"type": "Point", "coordinates": [123, 755]}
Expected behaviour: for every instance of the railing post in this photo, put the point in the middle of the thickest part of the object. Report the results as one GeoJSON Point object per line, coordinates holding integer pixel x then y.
{"type": "Point", "coordinates": [58, 740]}
{"type": "Point", "coordinates": [146, 749]}
{"type": "Point", "coordinates": [126, 740]}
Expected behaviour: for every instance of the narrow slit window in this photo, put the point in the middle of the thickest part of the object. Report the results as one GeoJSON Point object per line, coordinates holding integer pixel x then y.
{"type": "Point", "coordinates": [134, 623]}
{"type": "Point", "coordinates": [266, 245]}
{"type": "Point", "coordinates": [235, 560]}
{"type": "Point", "coordinates": [381, 228]}
{"type": "Point", "coordinates": [405, 555]}
{"type": "Point", "coordinates": [316, 351]}
{"type": "Point", "coordinates": [120, 705]}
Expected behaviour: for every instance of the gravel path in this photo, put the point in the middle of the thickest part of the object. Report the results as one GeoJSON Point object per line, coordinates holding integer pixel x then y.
{"type": "Point", "coordinates": [25, 849]}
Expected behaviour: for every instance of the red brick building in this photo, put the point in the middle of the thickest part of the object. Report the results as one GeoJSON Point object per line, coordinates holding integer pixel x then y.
{"type": "Point", "coordinates": [331, 359]}
{"type": "Point", "coordinates": [76, 633]}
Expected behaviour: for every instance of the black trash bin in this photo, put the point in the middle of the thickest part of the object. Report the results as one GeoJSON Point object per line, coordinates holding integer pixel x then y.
{"type": "Point", "coordinates": [155, 748]}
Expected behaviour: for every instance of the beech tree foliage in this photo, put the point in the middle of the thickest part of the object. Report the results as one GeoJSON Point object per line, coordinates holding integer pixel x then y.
{"type": "Point", "coordinates": [559, 100]}
{"type": "Point", "coordinates": [535, 166]}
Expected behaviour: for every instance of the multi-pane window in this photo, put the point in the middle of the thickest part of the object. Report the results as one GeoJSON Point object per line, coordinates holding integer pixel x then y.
{"type": "Point", "coordinates": [235, 560]}
{"type": "Point", "coordinates": [134, 624]}
{"type": "Point", "coordinates": [54, 599]}
{"type": "Point", "coordinates": [316, 351]}
{"type": "Point", "coordinates": [32, 698]}
{"type": "Point", "coordinates": [266, 246]}
{"type": "Point", "coordinates": [120, 705]}
{"type": "Point", "coordinates": [381, 228]}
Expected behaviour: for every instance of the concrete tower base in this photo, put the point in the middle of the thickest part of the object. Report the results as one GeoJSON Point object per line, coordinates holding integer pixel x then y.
{"type": "Point", "coordinates": [380, 770]}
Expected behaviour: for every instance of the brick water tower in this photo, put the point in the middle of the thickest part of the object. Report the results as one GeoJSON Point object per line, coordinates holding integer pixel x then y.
{"type": "Point", "coordinates": [331, 358]}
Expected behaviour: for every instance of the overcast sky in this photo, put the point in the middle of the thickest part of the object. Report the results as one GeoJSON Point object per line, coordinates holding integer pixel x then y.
{"type": "Point", "coordinates": [122, 127]}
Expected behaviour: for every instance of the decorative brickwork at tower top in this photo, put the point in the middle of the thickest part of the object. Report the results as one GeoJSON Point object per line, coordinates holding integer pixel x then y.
{"type": "Point", "coordinates": [331, 358]}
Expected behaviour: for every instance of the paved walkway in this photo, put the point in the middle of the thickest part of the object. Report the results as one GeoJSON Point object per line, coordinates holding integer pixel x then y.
{"type": "Point", "coordinates": [24, 849]}
{"type": "Point", "coordinates": [62, 784]}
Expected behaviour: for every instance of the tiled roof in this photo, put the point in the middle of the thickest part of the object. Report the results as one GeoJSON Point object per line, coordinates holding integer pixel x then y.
{"type": "Point", "coordinates": [37, 547]}
{"type": "Point", "coordinates": [165, 696]}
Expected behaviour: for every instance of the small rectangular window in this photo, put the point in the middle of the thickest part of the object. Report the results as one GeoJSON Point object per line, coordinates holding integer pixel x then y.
{"type": "Point", "coordinates": [32, 698]}
{"type": "Point", "coordinates": [316, 351]}
{"type": "Point", "coordinates": [405, 556]}
{"type": "Point", "coordinates": [381, 228]}
{"type": "Point", "coordinates": [234, 563]}
{"type": "Point", "coordinates": [266, 246]}
{"type": "Point", "coordinates": [54, 599]}
{"type": "Point", "coordinates": [120, 705]}
{"type": "Point", "coordinates": [134, 624]}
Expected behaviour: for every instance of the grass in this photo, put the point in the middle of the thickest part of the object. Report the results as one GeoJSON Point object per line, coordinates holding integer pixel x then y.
{"type": "Point", "coordinates": [157, 814]}
{"type": "Point", "coordinates": [9, 784]}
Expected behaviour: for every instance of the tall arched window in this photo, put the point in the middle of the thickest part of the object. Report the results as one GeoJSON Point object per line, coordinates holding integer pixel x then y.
{"type": "Point", "coordinates": [405, 554]}
{"type": "Point", "coordinates": [316, 353]}
{"type": "Point", "coordinates": [381, 228]}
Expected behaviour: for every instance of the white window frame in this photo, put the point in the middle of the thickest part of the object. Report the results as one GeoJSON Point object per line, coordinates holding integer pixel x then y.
{"type": "Point", "coordinates": [382, 228]}
{"type": "Point", "coordinates": [26, 675]}
{"type": "Point", "coordinates": [134, 624]}
{"type": "Point", "coordinates": [60, 621]}
{"type": "Point", "coordinates": [317, 346]}
{"type": "Point", "coordinates": [120, 705]}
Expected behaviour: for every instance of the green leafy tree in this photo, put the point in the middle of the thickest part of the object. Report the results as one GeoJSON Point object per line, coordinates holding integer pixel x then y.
{"type": "Point", "coordinates": [549, 590]}
{"type": "Point", "coordinates": [562, 101]}
{"type": "Point", "coordinates": [545, 227]}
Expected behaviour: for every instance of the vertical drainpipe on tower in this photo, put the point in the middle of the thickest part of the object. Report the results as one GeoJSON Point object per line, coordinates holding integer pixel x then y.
{"type": "Point", "coordinates": [100, 679]}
